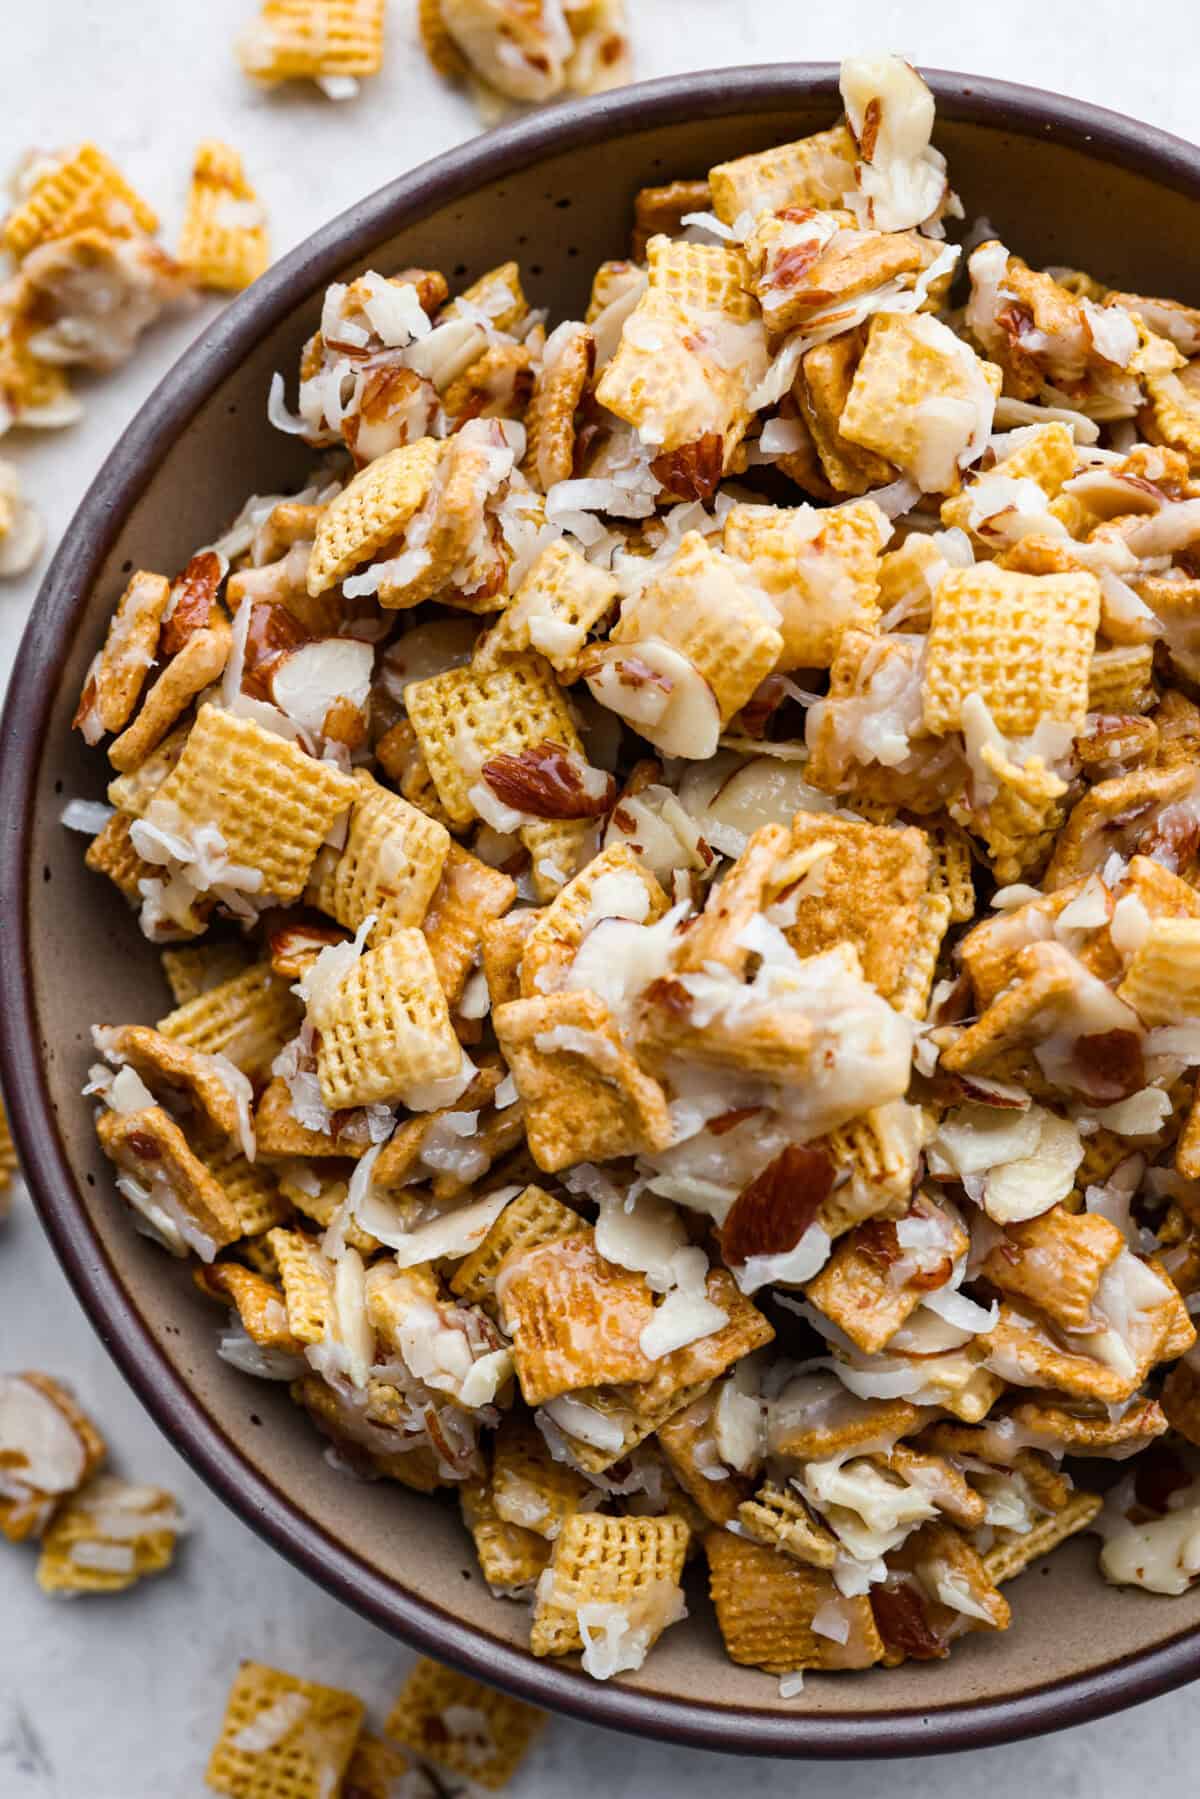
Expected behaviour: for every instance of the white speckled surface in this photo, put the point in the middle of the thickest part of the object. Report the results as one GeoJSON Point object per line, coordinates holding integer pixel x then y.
{"type": "Point", "coordinates": [120, 1699]}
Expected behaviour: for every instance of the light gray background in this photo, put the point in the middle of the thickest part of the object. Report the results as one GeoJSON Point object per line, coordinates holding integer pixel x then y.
{"type": "Point", "coordinates": [120, 1699]}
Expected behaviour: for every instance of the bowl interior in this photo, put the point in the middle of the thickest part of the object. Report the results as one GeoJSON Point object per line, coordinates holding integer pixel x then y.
{"type": "Point", "coordinates": [402, 1557]}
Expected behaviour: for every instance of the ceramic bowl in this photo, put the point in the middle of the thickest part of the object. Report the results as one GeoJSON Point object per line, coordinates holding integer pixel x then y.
{"type": "Point", "coordinates": [1063, 182]}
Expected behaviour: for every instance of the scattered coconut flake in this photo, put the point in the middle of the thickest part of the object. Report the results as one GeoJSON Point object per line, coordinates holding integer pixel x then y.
{"type": "Point", "coordinates": [88, 816]}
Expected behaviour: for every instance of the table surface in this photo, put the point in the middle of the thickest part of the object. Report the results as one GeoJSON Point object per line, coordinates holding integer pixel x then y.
{"type": "Point", "coordinates": [121, 1698]}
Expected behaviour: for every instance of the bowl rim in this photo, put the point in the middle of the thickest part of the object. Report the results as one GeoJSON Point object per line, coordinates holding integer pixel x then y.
{"type": "Point", "coordinates": [273, 1514]}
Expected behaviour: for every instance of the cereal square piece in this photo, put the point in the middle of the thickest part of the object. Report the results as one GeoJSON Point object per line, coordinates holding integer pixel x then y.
{"type": "Point", "coordinates": [631, 1564]}
{"type": "Point", "coordinates": [378, 1770]}
{"type": "Point", "coordinates": [199, 968]}
{"type": "Point", "coordinates": [912, 359]}
{"type": "Point", "coordinates": [497, 292]}
{"type": "Point", "coordinates": [307, 1276]}
{"type": "Point", "coordinates": [78, 190]}
{"type": "Point", "coordinates": [281, 1136]}
{"type": "Point", "coordinates": [586, 1099]}
{"type": "Point", "coordinates": [48, 1448]}
{"type": "Point", "coordinates": [370, 511]}
{"type": "Point", "coordinates": [870, 895]}
{"type": "Point", "coordinates": [167, 1067]}
{"type": "Point", "coordinates": [386, 1030]}
{"type": "Point", "coordinates": [223, 243]}
{"type": "Point", "coordinates": [560, 600]}
{"type": "Point", "coordinates": [1023, 643]}
{"type": "Point", "coordinates": [701, 277]}
{"type": "Point", "coordinates": [510, 1557]}
{"type": "Point", "coordinates": [108, 1537]}
{"type": "Point", "coordinates": [460, 1725]}
{"type": "Point", "coordinates": [701, 605]}
{"type": "Point", "coordinates": [529, 1487]}
{"type": "Point", "coordinates": [503, 949]}
{"type": "Point", "coordinates": [766, 1602]}
{"type": "Point", "coordinates": [814, 171]}
{"type": "Point", "coordinates": [272, 804]}
{"type": "Point", "coordinates": [248, 1019]}
{"type": "Point", "coordinates": [390, 864]}
{"type": "Point", "coordinates": [467, 716]}
{"type": "Point", "coordinates": [916, 982]}
{"type": "Point", "coordinates": [558, 391]}
{"type": "Point", "coordinates": [258, 1302]}
{"type": "Point", "coordinates": [576, 1320]}
{"type": "Point", "coordinates": [444, 54]}
{"type": "Point", "coordinates": [1056, 1262]}
{"type": "Point", "coordinates": [779, 1518]}
{"type": "Point", "coordinates": [821, 391]}
{"type": "Point", "coordinates": [469, 896]}
{"type": "Point", "coordinates": [657, 212]}
{"type": "Point", "coordinates": [950, 870]}
{"type": "Point", "coordinates": [1011, 1553]}
{"type": "Point", "coordinates": [859, 1287]}
{"type": "Point", "coordinates": [877, 1157]}
{"type": "Point", "coordinates": [188, 672]}
{"type": "Point", "coordinates": [819, 568]}
{"type": "Point", "coordinates": [181, 1204]}
{"type": "Point", "coordinates": [295, 40]}
{"type": "Point", "coordinates": [8, 1161]}
{"type": "Point", "coordinates": [111, 853]}
{"type": "Point", "coordinates": [251, 1188]}
{"type": "Point", "coordinates": [614, 884]}
{"type": "Point", "coordinates": [133, 790]}
{"type": "Point", "coordinates": [688, 1445]}
{"type": "Point", "coordinates": [1162, 981]}
{"type": "Point", "coordinates": [283, 1738]}
{"type": "Point", "coordinates": [116, 676]}
{"type": "Point", "coordinates": [532, 1217]}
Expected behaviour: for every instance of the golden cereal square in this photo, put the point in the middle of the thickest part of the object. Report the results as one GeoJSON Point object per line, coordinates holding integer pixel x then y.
{"type": "Point", "coordinates": [702, 605]}
{"type": "Point", "coordinates": [766, 1602]}
{"type": "Point", "coordinates": [820, 568]}
{"type": "Point", "coordinates": [558, 929]}
{"type": "Point", "coordinates": [1162, 981]}
{"type": "Point", "coordinates": [870, 895]}
{"type": "Point", "coordinates": [529, 1487]}
{"type": "Point", "coordinates": [586, 1098]}
{"type": "Point", "coordinates": [510, 1557]}
{"type": "Point", "coordinates": [701, 277]}
{"type": "Point", "coordinates": [310, 39]}
{"type": "Point", "coordinates": [272, 804]}
{"type": "Point", "coordinates": [575, 1319]}
{"type": "Point", "coordinates": [82, 189]}
{"type": "Point", "coordinates": [466, 717]}
{"type": "Point", "coordinates": [468, 897]}
{"type": "Point", "coordinates": [107, 1537]}
{"type": "Point", "coordinates": [460, 1725]}
{"type": "Point", "coordinates": [248, 1018]}
{"type": "Point", "coordinates": [307, 1275]}
{"type": "Point", "coordinates": [632, 1563]}
{"type": "Point", "coordinates": [814, 171]}
{"type": "Point", "coordinates": [912, 360]}
{"type": "Point", "coordinates": [560, 600]}
{"type": "Point", "coordinates": [1010, 1554]}
{"type": "Point", "coordinates": [533, 1216]}
{"type": "Point", "coordinates": [223, 243]}
{"type": "Point", "coordinates": [167, 1183]}
{"type": "Point", "coordinates": [390, 865]}
{"type": "Point", "coordinates": [677, 389]}
{"type": "Point", "coordinates": [558, 391]}
{"type": "Point", "coordinates": [370, 511]}
{"type": "Point", "coordinates": [42, 1410]}
{"type": "Point", "coordinates": [387, 1029]}
{"type": "Point", "coordinates": [1023, 643]}
{"type": "Point", "coordinates": [283, 1738]}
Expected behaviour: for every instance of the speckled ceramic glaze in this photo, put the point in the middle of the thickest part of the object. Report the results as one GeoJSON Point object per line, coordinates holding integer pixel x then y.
{"type": "Point", "coordinates": [1061, 181]}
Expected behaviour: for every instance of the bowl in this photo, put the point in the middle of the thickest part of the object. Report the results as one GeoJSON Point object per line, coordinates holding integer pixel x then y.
{"type": "Point", "coordinates": [1064, 182]}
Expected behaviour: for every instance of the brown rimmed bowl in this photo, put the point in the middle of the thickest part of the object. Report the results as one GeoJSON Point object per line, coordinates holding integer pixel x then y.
{"type": "Point", "coordinates": [1063, 182]}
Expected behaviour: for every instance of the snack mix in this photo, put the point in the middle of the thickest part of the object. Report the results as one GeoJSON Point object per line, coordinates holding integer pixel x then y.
{"type": "Point", "coordinates": [677, 857]}
{"type": "Point", "coordinates": [510, 52]}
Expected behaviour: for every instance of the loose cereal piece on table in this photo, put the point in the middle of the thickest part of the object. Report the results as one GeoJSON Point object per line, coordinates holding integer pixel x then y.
{"type": "Point", "coordinates": [71, 193]}
{"type": "Point", "coordinates": [611, 1590]}
{"type": "Point", "coordinates": [48, 1448]}
{"type": "Point", "coordinates": [460, 1725]}
{"type": "Point", "coordinates": [389, 866]}
{"type": "Point", "coordinates": [766, 1604]}
{"type": "Point", "coordinates": [315, 40]}
{"type": "Point", "coordinates": [272, 804]}
{"type": "Point", "coordinates": [1023, 643]}
{"type": "Point", "coordinates": [585, 1096]}
{"type": "Point", "coordinates": [283, 1738]}
{"type": "Point", "coordinates": [379, 1771]}
{"type": "Point", "coordinates": [107, 1538]}
{"type": "Point", "coordinates": [386, 1030]}
{"type": "Point", "coordinates": [223, 242]}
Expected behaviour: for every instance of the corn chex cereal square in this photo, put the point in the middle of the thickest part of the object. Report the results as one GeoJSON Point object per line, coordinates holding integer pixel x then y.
{"type": "Point", "coordinates": [813, 171]}
{"type": "Point", "coordinates": [283, 1738]}
{"type": "Point", "coordinates": [389, 866]}
{"type": "Point", "coordinates": [272, 804]}
{"type": "Point", "coordinates": [223, 243]}
{"type": "Point", "coordinates": [79, 190]}
{"type": "Point", "coordinates": [298, 39]}
{"type": "Point", "coordinates": [630, 1564]}
{"type": "Point", "coordinates": [575, 1319]}
{"type": "Point", "coordinates": [248, 1018]}
{"type": "Point", "coordinates": [386, 1029]}
{"type": "Point", "coordinates": [533, 1216]}
{"type": "Point", "coordinates": [462, 1726]}
{"type": "Point", "coordinates": [1023, 643]}
{"type": "Point", "coordinates": [370, 511]}
{"type": "Point", "coordinates": [766, 1602]}
{"type": "Point", "coordinates": [870, 895]}
{"type": "Point", "coordinates": [107, 1537]}
{"type": "Point", "coordinates": [820, 568]}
